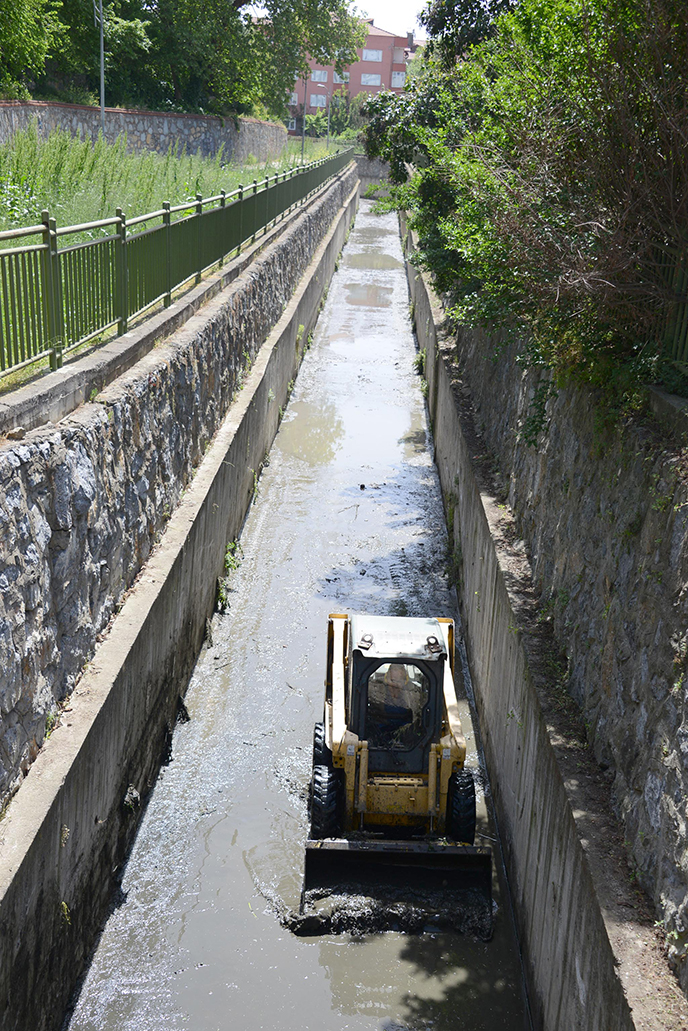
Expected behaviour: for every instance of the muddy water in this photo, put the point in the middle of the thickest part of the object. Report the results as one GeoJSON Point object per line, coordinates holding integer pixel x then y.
{"type": "Point", "coordinates": [348, 517]}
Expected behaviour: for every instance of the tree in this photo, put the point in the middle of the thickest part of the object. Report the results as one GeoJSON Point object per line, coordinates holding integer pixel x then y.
{"type": "Point", "coordinates": [550, 189]}
{"type": "Point", "coordinates": [339, 111]}
{"type": "Point", "coordinates": [204, 54]}
{"type": "Point", "coordinates": [208, 55]}
{"type": "Point", "coordinates": [316, 125]}
{"type": "Point", "coordinates": [456, 25]}
{"type": "Point", "coordinates": [29, 31]}
{"type": "Point", "coordinates": [291, 31]}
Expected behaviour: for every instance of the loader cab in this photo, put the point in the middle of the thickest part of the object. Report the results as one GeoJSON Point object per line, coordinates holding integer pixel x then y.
{"type": "Point", "coordinates": [396, 669]}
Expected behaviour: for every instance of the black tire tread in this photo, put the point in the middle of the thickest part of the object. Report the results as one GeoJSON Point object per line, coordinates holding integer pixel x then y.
{"type": "Point", "coordinates": [326, 803]}
{"type": "Point", "coordinates": [322, 756]}
{"type": "Point", "coordinates": [461, 807]}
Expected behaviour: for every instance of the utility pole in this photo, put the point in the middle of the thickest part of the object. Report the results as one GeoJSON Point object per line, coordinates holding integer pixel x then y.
{"type": "Point", "coordinates": [303, 119]}
{"type": "Point", "coordinates": [98, 19]}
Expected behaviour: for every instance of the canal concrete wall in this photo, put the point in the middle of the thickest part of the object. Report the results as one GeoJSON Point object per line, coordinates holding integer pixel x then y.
{"type": "Point", "coordinates": [589, 946]}
{"type": "Point", "coordinates": [602, 510]}
{"type": "Point", "coordinates": [244, 140]}
{"type": "Point", "coordinates": [160, 471]}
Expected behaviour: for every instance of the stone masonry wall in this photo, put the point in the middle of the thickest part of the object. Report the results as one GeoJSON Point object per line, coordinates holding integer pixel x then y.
{"type": "Point", "coordinates": [83, 502]}
{"type": "Point", "coordinates": [150, 130]}
{"type": "Point", "coordinates": [604, 517]}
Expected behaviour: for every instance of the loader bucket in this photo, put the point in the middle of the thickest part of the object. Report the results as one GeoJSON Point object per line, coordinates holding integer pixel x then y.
{"type": "Point", "coordinates": [375, 885]}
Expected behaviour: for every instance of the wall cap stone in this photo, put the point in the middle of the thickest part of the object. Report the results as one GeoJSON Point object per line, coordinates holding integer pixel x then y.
{"type": "Point", "coordinates": [671, 411]}
{"type": "Point", "coordinates": [141, 112]}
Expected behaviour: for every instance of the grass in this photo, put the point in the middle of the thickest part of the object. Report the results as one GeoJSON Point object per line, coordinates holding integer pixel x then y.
{"type": "Point", "coordinates": [79, 181]}
{"type": "Point", "coordinates": [233, 557]}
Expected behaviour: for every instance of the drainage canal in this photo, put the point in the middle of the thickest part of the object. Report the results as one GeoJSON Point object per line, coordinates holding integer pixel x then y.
{"type": "Point", "coordinates": [347, 517]}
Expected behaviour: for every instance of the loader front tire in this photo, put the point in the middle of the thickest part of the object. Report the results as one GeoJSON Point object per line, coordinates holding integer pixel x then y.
{"type": "Point", "coordinates": [326, 803]}
{"type": "Point", "coordinates": [322, 756]}
{"type": "Point", "coordinates": [461, 807]}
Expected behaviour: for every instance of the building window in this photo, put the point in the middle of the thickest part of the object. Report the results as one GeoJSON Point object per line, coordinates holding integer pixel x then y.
{"type": "Point", "coordinates": [291, 124]}
{"type": "Point", "coordinates": [294, 99]}
{"type": "Point", "coordinates": [372, 55]}
{"type": "Point", "coordinates": [318, 100]}
{"type": "Point", "coordinates": [398, 57]}
{"type": "Point", "coordinates": [344, 77]}
{"type": "Point", "coordinates": [398, 78]}
{"type": "Point", "coordinates": [370, 80]}
{"type": "Point", "coordinates": [319, 75]}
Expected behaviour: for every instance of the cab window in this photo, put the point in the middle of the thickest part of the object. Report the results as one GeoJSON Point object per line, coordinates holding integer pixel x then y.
{"type": "Point", "coordinates": [397, 695]}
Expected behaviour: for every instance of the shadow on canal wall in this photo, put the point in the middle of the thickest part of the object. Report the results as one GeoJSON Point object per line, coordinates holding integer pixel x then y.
{"type": "Point", "coordinates": [211, 397]}
{"type": "Point", "coordinates": [589, 945]}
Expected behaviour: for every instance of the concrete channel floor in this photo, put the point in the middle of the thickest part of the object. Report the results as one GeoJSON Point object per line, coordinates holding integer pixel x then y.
{"type": "Point", "coordinates": [347, 517]}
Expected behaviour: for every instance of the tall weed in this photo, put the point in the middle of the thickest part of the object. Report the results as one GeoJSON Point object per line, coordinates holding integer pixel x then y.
{"type": "Point", "coordinates": [79, 181]}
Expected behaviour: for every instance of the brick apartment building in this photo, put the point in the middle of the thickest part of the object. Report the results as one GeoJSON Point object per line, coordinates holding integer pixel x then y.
{"type": "Point", "coordinates": [381, 65]}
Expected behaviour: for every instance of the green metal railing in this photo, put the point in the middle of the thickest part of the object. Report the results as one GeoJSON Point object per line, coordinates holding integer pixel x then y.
{"type": "Point", "coordinates": [674, 334]}
{"type": "Point", "coordinates": [55, 297]}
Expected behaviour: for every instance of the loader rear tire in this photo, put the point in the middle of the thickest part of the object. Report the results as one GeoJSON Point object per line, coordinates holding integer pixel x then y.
{"type": "Point", "coordinates": [326, 803]}
{"type": "Point", "coordinates": [461, 807]}
{"type": "Point", "coordinates": [322, 756]}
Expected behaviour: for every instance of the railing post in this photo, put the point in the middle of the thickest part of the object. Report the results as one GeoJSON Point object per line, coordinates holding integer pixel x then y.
{"type": "Point", "coordinates": [53, 293]}
{"type": "Point", "coordinates": [255, 210]}
{"type": "Point", "coordinates": [48, 290]}
{"type": "Point", "coordinates": [122, 273]}
{"type": "Point", "coordinates": [241, 217]}
{"type": "Point", "coordinates": [167, 222]}
{"type": "Point", "coordinates": [199, 255]}
{"type": "Point", "coordinates": [223, 204]}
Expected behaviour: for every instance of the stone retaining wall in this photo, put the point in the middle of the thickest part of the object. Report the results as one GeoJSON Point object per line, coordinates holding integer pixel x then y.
{"type": "Point", "coordinates": [591, 953]}
{"type": "Point", "coordinates": [67, 831]}
{"type": "Point", "coordinates": [150, 130]}
{"type": "Point", "coordinates": [603, 513]}
{"type": "Point", "coordinates": [83, 502]}
{"type": "Point", "coordinates": [371, 170]}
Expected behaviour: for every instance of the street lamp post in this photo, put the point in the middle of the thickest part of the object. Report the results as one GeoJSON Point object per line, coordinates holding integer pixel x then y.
{"type": "Point", "coordinates": [303, 119]}
{"type": "Point", "coordinates": [98, 18]}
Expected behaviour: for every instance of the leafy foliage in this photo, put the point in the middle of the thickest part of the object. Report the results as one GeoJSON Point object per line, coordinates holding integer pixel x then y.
{"type": "Point", "coordinates": [456, 25]}
{"type": "Point", "coordinates": [316, 125]}
{"type": "Point", "coordinates": [201, 55]}
{"type": "Point", "coordinates": [29, 30]}
{"type": "Point", "coordinates": [550, 180]}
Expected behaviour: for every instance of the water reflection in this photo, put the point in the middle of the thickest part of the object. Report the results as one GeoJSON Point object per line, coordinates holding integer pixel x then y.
{"type": "Point", "coordinates": [372, 259]}
{"type": "Point", "coordinates": [369, 295]}
{"type": "Point", "coordinates": [312, 431]}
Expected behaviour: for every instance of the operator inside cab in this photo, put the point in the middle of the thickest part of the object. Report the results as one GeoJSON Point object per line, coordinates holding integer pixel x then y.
{"type": "Point", "coordinates": [397, 694]}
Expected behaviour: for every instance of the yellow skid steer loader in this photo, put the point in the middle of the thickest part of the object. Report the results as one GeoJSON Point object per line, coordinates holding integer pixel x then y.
{"type": "Point", "coordinates": [391, 798]}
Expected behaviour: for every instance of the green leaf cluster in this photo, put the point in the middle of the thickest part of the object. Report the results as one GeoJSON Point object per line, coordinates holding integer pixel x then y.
{"type": "Point", "coordinates": [29, 31]}
{"type": "Point", "coordinates": [193, 55]}
{"type": "Point", "coordinates": [547, 176]}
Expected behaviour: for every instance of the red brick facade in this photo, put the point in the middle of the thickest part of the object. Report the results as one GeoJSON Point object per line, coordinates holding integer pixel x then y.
{"type": "Point", "coordinates": [381, 65]}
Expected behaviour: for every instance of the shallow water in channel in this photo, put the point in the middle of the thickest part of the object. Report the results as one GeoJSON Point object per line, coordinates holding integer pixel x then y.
{"type": "Point", "coordinates": [348, 517]}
